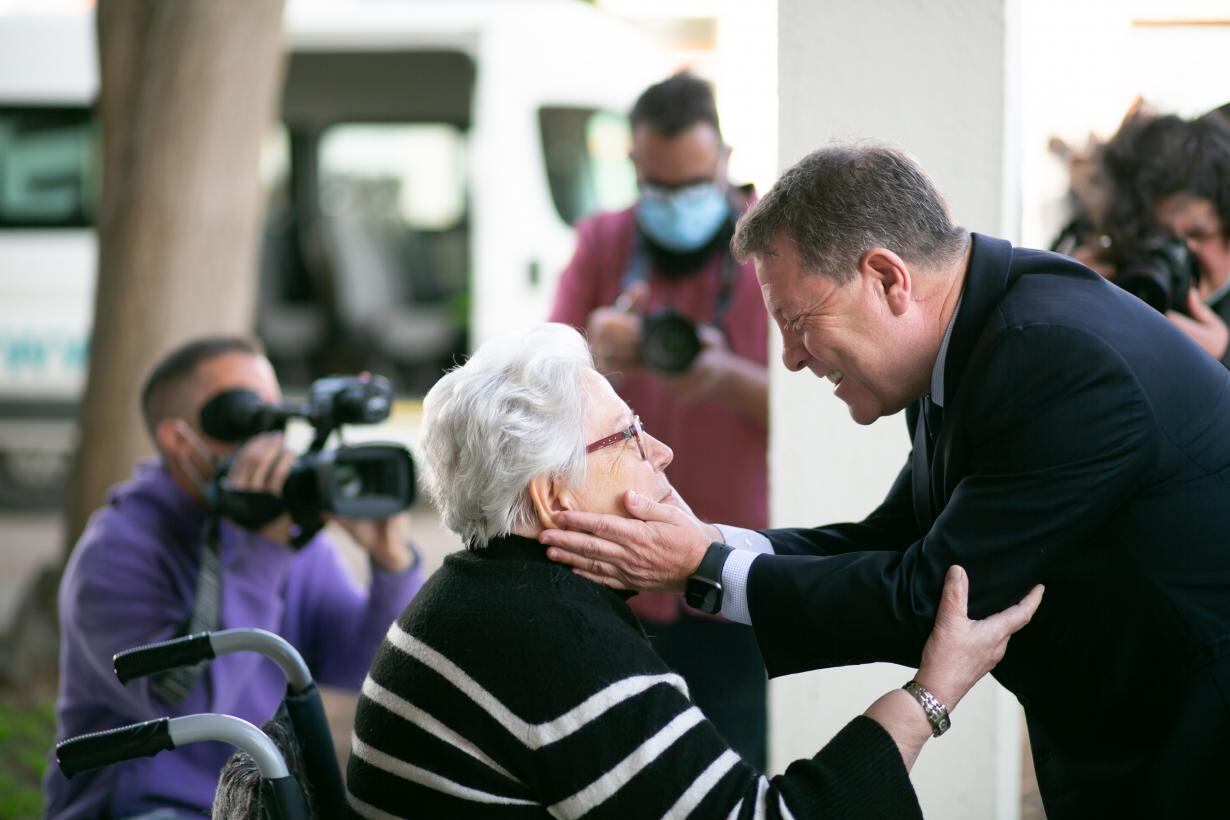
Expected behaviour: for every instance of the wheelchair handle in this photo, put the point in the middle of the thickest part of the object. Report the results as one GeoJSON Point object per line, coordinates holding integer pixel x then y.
{"type": "Point", "coordinates": [159, 657]}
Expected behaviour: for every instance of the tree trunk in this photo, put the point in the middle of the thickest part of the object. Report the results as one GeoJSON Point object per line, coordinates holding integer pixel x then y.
{"type": "Point", "coordinates": [188, 93]}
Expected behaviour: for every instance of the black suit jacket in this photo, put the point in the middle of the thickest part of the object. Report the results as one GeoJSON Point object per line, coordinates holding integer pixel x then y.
{"type": "Point", "coordinates": [1085, 444]}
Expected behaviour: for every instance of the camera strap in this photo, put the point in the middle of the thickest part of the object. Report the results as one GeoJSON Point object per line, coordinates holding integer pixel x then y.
{"type": "Point", "coordinates": [639, 265]}
{"type": "Point", "coordinates": [174, 684]}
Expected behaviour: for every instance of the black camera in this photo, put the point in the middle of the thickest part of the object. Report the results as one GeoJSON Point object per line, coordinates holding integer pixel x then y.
{"type": "Point", "coordinates": [669, 341]}
{"type": "Point", "coordinates": [1159, 271]}
{"type": "Point", "coordinates": [373, 480]}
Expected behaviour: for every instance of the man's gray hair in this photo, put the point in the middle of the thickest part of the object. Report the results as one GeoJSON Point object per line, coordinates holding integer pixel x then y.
{"type": "Point", "coordinates": [511, 413]}
{"type": "Point", "coordinates": [841, 201]}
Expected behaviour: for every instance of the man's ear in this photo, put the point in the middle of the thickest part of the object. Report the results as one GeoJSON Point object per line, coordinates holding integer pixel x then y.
{"type": "Point", "coordinates": [891, 276]}
{"type": "Point", "coordinates": [550, 496]}
{"type": "Point", "coordinates": [167, 437]}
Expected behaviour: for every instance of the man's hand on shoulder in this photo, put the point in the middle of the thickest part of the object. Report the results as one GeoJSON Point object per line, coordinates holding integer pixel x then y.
{"type": "Point", "coordinates": [654, 551]}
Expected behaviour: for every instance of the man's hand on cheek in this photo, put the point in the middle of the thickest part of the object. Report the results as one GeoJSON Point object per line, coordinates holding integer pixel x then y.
{"type": "Point", "coordinates": [656, 551]}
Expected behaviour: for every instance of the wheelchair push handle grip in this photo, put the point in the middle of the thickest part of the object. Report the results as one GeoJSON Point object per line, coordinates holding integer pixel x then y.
{"type": "Point", "coordinates": [160, 657]}
{"type": "Point", "coordinates": [98, 749]}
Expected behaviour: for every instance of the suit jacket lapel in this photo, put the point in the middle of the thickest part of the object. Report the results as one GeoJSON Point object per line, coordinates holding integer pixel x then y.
{"type": "Point", "coordinates": [987, 280]}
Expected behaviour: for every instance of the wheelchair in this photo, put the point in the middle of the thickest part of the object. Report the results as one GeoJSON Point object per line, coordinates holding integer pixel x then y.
{"type": "Point", "coordinates": [258, 777]}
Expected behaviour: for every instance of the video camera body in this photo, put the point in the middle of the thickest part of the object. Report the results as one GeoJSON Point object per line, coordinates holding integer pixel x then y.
{"type": "Point", "coordinates": [374, 480]}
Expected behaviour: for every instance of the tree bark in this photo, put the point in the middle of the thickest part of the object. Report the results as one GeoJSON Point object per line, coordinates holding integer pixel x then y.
{"type": "Point", "coordinates": [188, 92]}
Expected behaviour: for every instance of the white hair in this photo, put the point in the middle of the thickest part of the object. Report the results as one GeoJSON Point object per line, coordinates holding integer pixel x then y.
{"type": "Point", "coordinates": [514, 411]}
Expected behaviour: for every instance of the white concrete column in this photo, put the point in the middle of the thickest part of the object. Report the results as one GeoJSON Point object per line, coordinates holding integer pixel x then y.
{"type": "Point", "coordinates": [939, 80]}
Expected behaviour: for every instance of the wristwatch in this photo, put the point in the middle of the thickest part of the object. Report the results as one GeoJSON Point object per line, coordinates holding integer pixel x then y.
{"type": "Point", "coordinates": [704, 590]}
{"type": "Point", "coordinates": [937, 713]}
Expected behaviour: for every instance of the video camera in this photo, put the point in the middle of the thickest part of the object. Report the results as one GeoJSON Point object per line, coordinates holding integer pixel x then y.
{"type": "Point", "coordinates": [374, 480]}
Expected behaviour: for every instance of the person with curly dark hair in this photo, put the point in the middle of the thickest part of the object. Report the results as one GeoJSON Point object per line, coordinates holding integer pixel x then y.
{"type": "Point", "coordinates": [1172, 173]}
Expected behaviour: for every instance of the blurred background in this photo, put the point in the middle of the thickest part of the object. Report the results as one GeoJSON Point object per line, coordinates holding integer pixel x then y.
{"type": "Point", "coordinates": [417, 195]}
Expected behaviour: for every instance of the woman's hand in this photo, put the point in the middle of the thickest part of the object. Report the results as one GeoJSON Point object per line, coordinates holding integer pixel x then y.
{"type": "Point", "coordinates": [960, 651]}
{"type": "Point", "coordinates": [957, 655]}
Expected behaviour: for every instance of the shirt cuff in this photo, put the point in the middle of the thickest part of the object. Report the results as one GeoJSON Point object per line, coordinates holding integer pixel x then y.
{"type": "Point", "coordinates": [734, 586]}
{"type": "Point", "coordinates": [748, 545]}
{"type": "Point", "coordinates": [744, 539]}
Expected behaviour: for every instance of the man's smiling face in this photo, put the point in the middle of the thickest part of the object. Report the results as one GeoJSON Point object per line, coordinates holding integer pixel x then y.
{"type": "Point", "coordinates": [847, 332]}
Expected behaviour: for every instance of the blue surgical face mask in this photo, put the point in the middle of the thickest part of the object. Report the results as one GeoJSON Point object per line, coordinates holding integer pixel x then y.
{"type": "Point", "coordinates": [685, 219]}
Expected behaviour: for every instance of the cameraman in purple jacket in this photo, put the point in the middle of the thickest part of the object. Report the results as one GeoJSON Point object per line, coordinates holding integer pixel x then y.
{"type": "Point", "coordinates": [142, 572]}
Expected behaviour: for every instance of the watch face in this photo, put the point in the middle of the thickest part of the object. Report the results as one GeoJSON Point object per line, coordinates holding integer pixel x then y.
{"type": "Point", "coordinates": [944, 724]}
{"type": "Point", "coordinates": [704, 595]}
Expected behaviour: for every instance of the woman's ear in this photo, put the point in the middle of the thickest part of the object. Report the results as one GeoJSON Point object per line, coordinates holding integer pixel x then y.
{"type": "Point", "coordinates": [550, 496]}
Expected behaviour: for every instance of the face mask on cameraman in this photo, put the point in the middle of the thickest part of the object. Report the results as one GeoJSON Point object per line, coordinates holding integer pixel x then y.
{"type": "Point", "coordinates": [250, 510]}
{"type": "Point", "coordinates": [188, 466]}
{"type": "Point", "coordinates": [685, 219]}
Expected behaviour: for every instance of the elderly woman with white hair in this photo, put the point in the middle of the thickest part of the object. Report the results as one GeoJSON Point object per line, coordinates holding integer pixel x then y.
{"type": "Point", "coordinates": [513, 687]}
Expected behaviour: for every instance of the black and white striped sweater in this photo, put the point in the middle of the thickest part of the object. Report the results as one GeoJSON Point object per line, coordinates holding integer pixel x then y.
{"type": "Point", "coordinates": [510, 687]}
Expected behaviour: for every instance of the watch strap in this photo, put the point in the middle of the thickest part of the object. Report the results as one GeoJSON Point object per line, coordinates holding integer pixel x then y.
{"type": "Point", "coordinates": [704, 588]}
{"type": "Point", "coordinates": [937, 713]}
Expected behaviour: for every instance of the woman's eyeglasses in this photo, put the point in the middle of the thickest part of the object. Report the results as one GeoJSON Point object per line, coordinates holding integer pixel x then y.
{"type": "Point", "coordinates": [635, 431]}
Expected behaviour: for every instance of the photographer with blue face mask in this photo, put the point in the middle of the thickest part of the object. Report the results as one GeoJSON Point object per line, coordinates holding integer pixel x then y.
{"type": "Point", "coordinates": [680, 329]}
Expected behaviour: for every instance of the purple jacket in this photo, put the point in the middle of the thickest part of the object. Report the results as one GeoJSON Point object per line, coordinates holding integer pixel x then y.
{"type": "Point", "coordinates": [132, 580]}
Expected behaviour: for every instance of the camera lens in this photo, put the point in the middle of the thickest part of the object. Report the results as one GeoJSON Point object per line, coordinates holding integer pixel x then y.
{"type": "Point", "coordinates": [1147, 283]}
{"type": "Point", "coordinates": [1159, 274]}
{"type": "Point", "coordinates": [669, 342]}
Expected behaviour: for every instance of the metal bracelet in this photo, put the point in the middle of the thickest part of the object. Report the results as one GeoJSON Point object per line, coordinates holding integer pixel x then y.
{"type": "Point", "coordinates": [937, 713]}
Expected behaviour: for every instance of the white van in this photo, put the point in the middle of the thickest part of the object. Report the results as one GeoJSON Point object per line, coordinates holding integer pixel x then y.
{"type": "Point", "coordinates": [431, 160]}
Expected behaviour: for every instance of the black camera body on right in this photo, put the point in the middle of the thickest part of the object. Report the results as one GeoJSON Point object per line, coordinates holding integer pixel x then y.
{"type": "Point", "coordinates": [669, 342]}
{"type": "Point", "coordinates": [1159, 271]}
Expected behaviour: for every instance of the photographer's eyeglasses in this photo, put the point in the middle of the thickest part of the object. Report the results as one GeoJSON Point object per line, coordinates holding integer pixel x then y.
{"type": "Point", "coordinates": [635, 430]}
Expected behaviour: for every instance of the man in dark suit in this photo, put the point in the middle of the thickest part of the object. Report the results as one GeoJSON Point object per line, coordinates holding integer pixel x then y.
{"type": "Point", "coordinates": [1064, 433]}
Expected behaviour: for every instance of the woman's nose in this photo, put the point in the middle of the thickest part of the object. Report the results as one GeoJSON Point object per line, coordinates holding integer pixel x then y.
{"type": "Point", "coordinates": [660, 456]}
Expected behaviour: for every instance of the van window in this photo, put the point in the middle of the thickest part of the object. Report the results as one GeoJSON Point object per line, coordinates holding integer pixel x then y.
{"type": "Point", "coordinates": [49, 167]}
{"type": "Point", "coordinates": [412, 172]}
{"type": "Point", "coordinates": [586, 154]}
